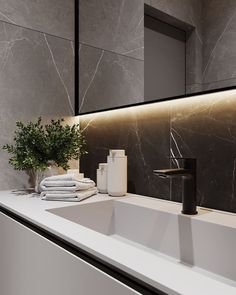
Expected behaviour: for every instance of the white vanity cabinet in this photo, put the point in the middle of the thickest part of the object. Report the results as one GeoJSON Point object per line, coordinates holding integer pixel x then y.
{"type": "Point", "coordinates": [32, 265]}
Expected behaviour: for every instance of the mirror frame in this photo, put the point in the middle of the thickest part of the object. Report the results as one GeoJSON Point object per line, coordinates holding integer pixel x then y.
{"type": "Point", "coordinates": [76, 77]}
{"type": "Point", "coordinates": [76, 65]}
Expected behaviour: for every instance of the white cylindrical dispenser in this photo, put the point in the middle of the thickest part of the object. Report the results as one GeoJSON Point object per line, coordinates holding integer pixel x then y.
{"type": "Point", "coordinates": [117, 173]}
{"type": "Point", "coordinates": [102, 178]}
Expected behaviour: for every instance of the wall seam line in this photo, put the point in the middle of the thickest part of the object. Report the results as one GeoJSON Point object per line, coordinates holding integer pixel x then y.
{"type": "Point", "coordinates": [38, 31]}
{"type": "Point", "coordinates": [107, 50]}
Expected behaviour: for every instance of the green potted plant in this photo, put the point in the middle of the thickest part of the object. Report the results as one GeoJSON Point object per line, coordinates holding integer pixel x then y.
{"type": "Point", "coordinates": [37, 147]}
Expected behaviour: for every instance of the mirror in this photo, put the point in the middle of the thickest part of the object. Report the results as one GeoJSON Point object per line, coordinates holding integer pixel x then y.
{"type": "Point", "coordinates": [131, 52]}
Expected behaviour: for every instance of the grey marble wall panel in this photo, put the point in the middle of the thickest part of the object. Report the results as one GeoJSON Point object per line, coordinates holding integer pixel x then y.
{"type": "Point", "coordinates": [36, 79]}
{"type": "Point", "coordinates": [210, 48]}
{"type": "Point", "coordinates": [55, 17]}
{"type": "Point", "coordinates": [143, 134]}
{"type": "Point", "coordinates": [113, 25]}
{"type": "Point", "coordinates": [219, 60]}
{"type": "Point", "coordinates": [190, 12]}
{"type": "Point", "coordinates": [108, 79]}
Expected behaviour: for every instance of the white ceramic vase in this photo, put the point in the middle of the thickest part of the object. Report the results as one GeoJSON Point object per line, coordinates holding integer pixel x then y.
{"type": "Point", "coordinates": [36, 176]}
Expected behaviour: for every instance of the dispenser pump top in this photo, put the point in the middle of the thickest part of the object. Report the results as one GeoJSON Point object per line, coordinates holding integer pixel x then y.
{"type": "Point", "coordinates": [117, 153]}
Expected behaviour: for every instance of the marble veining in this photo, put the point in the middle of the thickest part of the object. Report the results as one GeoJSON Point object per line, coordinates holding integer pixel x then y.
{"type": "Point", "coordinates": [55, 17]}
{"type": "Point", "coordinates": [133, 131]}
{"type": "Point", "coordinates": [111, 43]}
{"type": "Point", "coordinates": [200, 127]}
{"type": "Point", "coordinates": [108, 79]}
{"type": "Point", "coordinates": [219, 43]}
{"type": "Point", "coordinates": [210, 59]}
{"type": "Point", "coordinates": [59, 74]}
{"type": "Point", "coordinates": [36, 79]}
{"type": "Point", "coordinates": [7, 18]}
{"type": "Point", "coordinates": [113, 25]}
{"type": "Point", "coordinates": [91, 80]}
{"type": "Point", "coordinates": [208, 134]}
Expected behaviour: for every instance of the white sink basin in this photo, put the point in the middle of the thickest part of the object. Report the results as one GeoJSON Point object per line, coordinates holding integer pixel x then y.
{"type": "Point", "coordinates": [206, 241]}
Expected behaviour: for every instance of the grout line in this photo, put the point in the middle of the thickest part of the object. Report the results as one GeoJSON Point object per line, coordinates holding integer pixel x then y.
{"type": "Point", "coordinates": [215, 81]}
{"type": "Point", "coordinates": [34, 30]}
{"type": "Point", "coordinates": [114, 52]}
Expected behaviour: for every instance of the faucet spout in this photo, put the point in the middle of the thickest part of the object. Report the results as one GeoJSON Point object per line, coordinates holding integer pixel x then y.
{"type": "Point", "coordinates": [188, 174]}
{"type": "Point", "coordinates": [169, 173]}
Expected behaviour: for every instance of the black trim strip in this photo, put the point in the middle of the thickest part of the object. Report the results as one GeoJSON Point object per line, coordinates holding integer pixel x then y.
{"type": "Point", "coordinates": [161, 100]}
{"type": "Point", "coordinates": [76, 85]}
{"type": "Point", "coordinates": [106, 267]}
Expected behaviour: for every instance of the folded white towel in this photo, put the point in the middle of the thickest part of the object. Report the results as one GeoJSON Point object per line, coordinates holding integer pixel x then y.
{"type": "Point", "coordinates": [66, 194]}
{"type": "Point", "coordinates": [67, 183]}
{"type": "Point", "coordinates": [70, 197]}
{"type": "Point", "coordinates": [69, 177]}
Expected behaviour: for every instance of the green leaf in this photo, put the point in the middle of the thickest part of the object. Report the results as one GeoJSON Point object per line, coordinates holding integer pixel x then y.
{"type": "Point", "coordinates": [35, 145]}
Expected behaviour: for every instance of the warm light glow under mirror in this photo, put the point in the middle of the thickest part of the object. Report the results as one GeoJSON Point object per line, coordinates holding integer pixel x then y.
{"type": "Point", "coordinates": [220, 101]}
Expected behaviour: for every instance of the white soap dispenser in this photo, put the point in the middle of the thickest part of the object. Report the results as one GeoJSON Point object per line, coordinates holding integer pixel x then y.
{"type": "Point", "coordinates": [102, 178]}
{"type": "Point", "coordinates": [117, 173]}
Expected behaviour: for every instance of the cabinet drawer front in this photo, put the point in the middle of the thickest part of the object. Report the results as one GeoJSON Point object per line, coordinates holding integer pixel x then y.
{"type": "Point", "coordinates": [32, 265]}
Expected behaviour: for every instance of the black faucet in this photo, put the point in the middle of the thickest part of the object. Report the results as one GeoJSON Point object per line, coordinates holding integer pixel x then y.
{"type": "Point", "coordinates": [188, 174]}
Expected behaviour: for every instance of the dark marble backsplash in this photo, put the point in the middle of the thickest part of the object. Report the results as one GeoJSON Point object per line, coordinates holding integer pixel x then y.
{"type": "Point", "coordinates": [202, 127]}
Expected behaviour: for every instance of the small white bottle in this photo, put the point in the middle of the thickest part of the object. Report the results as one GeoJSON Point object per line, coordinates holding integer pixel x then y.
{"type": "Point", "coordinates": [102, 178]}
{"type": "Point", "coordinates": [117, 173]}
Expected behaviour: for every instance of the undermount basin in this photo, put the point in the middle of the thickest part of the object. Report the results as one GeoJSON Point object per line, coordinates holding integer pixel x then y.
{"type": "Point", "coordinates": [206, 241]}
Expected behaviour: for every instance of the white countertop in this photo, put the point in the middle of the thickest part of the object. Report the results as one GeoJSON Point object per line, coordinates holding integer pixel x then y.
{"type": "Point", "coordinates": [162, 273]}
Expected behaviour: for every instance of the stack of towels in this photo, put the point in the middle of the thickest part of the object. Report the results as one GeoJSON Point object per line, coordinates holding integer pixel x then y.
{"type": "Point", "coordinates": [67, 187]}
